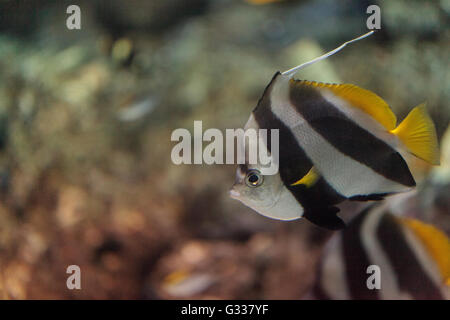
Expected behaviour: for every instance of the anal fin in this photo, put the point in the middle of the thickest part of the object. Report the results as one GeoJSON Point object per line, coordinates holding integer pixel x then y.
{"type": "Point", "coordinates": [325, 217]}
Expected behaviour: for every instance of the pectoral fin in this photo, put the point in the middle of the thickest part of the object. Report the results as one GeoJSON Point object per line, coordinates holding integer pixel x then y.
{"type": "Point", "coordinates": [309, 179]}
{"type": "Point", "coordinates": [325, 218]}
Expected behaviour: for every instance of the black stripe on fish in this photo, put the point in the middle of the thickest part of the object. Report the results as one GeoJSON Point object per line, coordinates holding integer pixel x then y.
{"type": "Point", "coordinates": [371, 197]}
{"type": "Point", "coordinates": [293, 162]}
{"type": "Point", "coordinates": [411, 275]}
{"type": "Point", "coordinates": [347, 136]}
{"type": "Point", "coordinates": [356, 259]}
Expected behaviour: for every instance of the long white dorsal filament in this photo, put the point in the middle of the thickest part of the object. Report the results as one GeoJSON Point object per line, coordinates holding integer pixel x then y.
{"type": "Point", "coordinates": [291, 72]}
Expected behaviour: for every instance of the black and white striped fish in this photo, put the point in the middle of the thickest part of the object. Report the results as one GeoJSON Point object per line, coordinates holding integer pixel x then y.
{"type": "Point", "coordinates": [336, 142]}
{"type": "Point", "coordinates": [413, 259]}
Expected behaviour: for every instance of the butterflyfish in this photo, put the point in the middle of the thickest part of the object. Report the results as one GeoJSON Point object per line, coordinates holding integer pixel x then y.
{"type": "Point", "coordinates": [384, 256]}
{"type": "Point", "coordinates": [337, 142]}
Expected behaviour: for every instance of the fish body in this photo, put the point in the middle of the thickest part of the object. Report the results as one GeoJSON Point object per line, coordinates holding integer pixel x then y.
{"type": "Point", "coordinates": [336, 142]}
{"type": "Point", "coordinates": [413, 259]}
{"type": "Point", "coordinates": [329, 132]}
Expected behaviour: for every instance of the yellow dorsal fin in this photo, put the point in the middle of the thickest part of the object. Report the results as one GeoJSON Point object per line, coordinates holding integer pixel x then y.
{"type": "Point", "coordinates": [436, 243]}
{"type": "Point", "coordinates": [363, 99]}
{"type": "Point", "coordinates": [309, 179]}
{"type": "Point", "coordinates": [418, 134]}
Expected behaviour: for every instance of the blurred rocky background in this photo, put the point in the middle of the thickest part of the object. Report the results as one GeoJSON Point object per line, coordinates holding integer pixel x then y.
{"type": "Point", "coordinates": [86, 116]}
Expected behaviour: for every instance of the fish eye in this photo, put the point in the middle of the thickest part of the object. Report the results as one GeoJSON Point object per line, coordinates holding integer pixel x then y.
{"type": "Point", "coordinates": [254, 179]}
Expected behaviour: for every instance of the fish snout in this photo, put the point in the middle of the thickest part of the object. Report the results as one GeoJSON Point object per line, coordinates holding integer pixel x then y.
{"type": "Point", "coordinates": [234, 194]}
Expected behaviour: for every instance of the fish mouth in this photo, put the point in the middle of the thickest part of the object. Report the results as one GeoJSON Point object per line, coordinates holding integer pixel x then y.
{"type": "Point", "coordinates": [234, 194]}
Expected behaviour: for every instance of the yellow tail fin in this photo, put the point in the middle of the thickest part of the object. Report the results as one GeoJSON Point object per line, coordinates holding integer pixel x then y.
{"type": "Point", "coordinates": [418, 134]}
